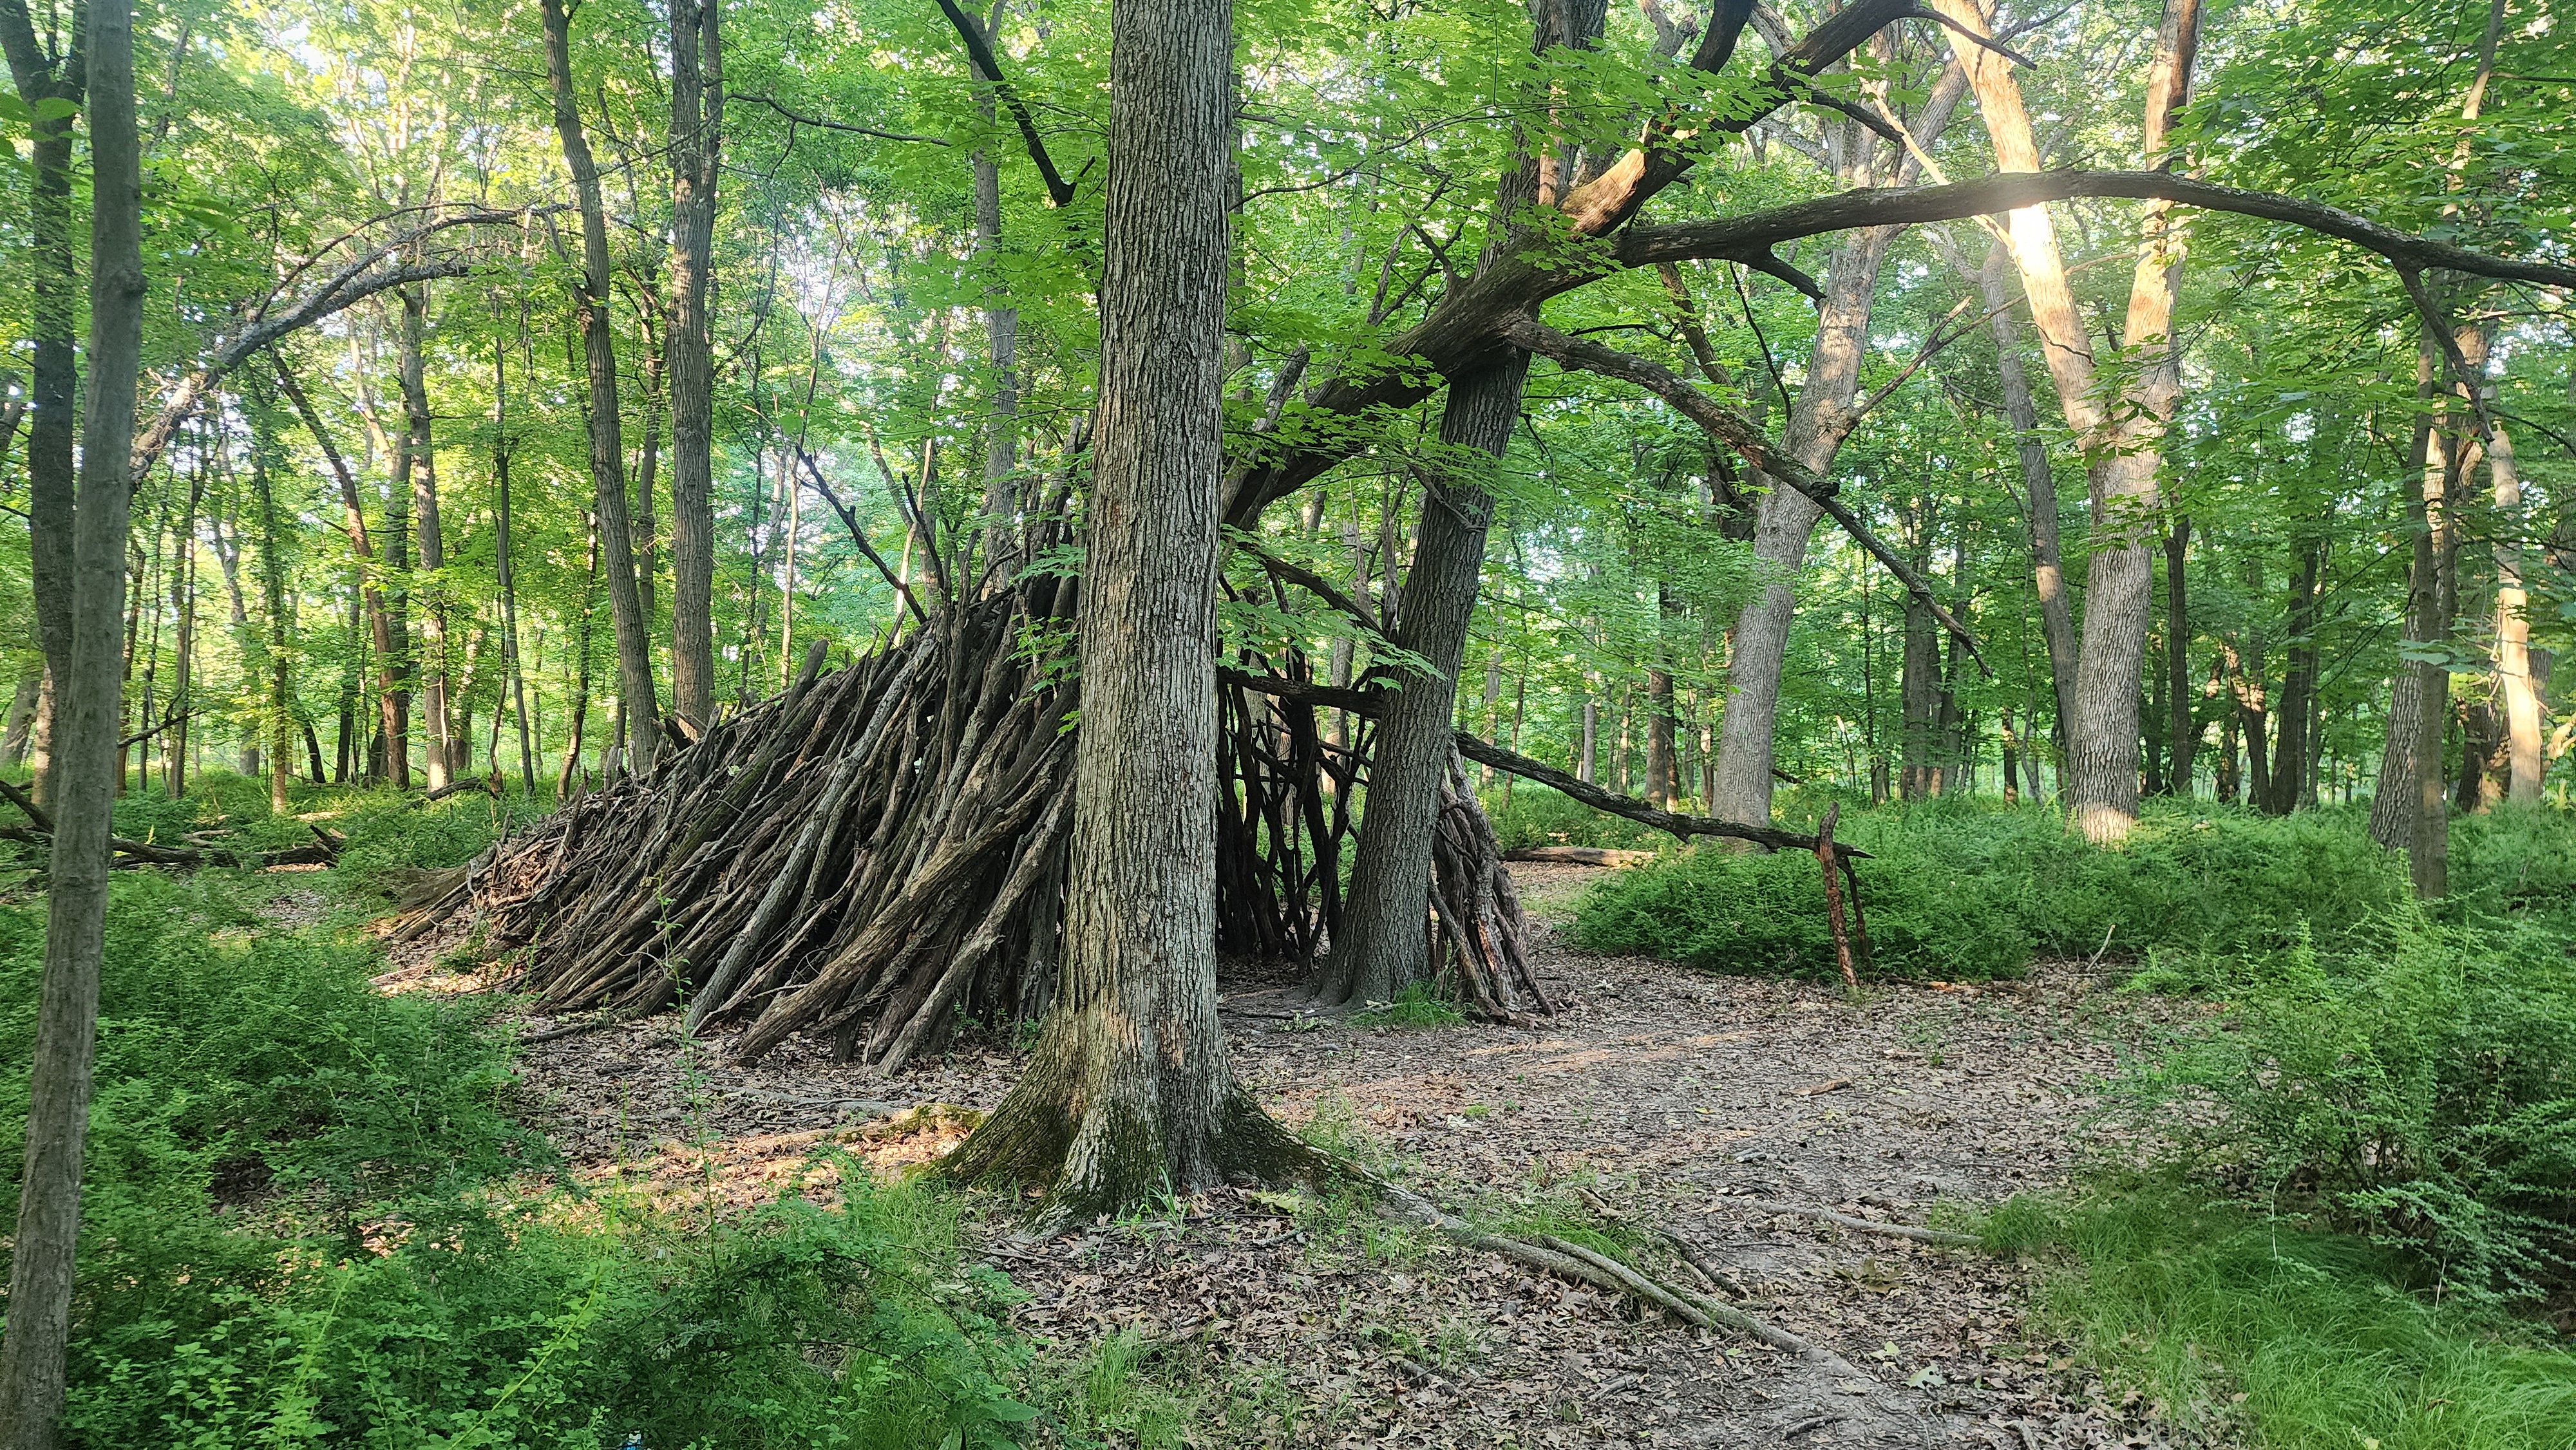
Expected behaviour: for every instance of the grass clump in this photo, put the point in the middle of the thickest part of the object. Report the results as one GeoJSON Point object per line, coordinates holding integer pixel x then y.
{"type": "Point", "coordinates": [1417, 1004]}
{"type": "Point", "coordinates": [2231, 1320]}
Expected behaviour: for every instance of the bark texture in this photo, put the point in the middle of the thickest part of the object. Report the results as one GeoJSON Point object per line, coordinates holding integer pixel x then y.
{"type": "Point", "coordinates": [89, 702]}
{"type": "Point", "coordinates": [1130, 1094]}
{"type": "Point", "coordinates": [697, 155]}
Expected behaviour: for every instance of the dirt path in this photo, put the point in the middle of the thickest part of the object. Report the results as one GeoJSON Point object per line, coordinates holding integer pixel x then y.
{"type": "Point", "coordinates": [1661, 1100]}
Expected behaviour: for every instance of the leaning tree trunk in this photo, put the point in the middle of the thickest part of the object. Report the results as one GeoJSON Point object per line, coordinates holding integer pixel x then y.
{"type": "Point", "coordinates": [1130, 1094]}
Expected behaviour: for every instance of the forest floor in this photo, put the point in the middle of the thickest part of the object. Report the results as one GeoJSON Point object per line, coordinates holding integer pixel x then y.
{"type": "Point", "coordinates": [1660, 1100]}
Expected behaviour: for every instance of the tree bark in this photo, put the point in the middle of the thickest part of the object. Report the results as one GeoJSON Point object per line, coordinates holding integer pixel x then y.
{"type": "Point", "coordinates": [506, 578]}
{"type": "Point", "coordinates": [607, 453]}
{"type": "Point", "coordinates": [2290, 762]}
{"type": "Point", "coordinates": [2039, 487]}
{"type": "Point", "coordinates": [32, 1353]}
{"type": "Point", "coordinates": [53, 317]}
{"type": "Point", "coordinates": [697, 154]}
{"type": "Point", "coordinates": [1129, 1095]}
{"type": "Point", "coordinates": [2517, 697]}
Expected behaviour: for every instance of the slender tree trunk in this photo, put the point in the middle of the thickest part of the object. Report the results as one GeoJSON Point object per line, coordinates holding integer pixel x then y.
{"type": "Point", "coordinates": [1660, 765]}
{"type": "Point", "coordinates": [22, 715]}
{"type": "Point", "coordinates": [1129, 1095]}
{"type": "Point", "coordinates": [642, 716]}
{"type": "Point", "coordinates": [2177, 658]}
{"type": "Point", "coordinates": [391, 704]}
{"type": "Point", "coordinates": [2298, 684]}
{"type": "Point", "coordinates": [1589, 772]}
{"type": "Point", "coordinates": [1001, 330]}
{"type": "Point", "coordinates": [53, 273]}
{"type": "Point", "coordinates": [2517, 698]}
{"type": "Point", "coordinates": [697, 154]}
{"type": "Point", "coordinates": [2392, 801]}
{"type": "Point", "coordinates": [581, 670]}
{"type": "Point", "coordinates": [416, 472]}
{"type": "Point", "coordinates": [507, 579]}
{"type": "Point", "coordinates": [32, 1352]}
{"type": "Point", "coordinates": [279, 712]}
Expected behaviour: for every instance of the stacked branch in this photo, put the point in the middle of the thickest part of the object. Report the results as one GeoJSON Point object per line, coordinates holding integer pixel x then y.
{"type": "Point", "coordinates": [869, 855]}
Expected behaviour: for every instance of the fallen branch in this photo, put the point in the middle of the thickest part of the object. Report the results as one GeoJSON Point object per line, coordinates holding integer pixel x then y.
{"type": "Point", "coordinates": [1573, 1261]}
{"type": "Point", "coordinates": [1579, 855]}
{"type": "Point", "coordinates": [1940, 1237]}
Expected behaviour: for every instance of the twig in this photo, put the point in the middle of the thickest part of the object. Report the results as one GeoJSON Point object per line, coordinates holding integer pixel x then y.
{"type": "Point", "coordinates": [1834, 896]}
{"type": "Point", "coordinates": [2096, 959]}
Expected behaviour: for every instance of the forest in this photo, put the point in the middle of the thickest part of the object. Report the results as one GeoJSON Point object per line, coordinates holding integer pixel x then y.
{"type": "Point", "coordinates": [1226, 723]}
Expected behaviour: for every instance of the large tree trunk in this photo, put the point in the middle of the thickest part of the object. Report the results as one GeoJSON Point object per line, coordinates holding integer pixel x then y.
{"type": "Point", "coordinates": [32, 1352]}
{"type": "Point", "coordinates": [607, 452]}
{"type": "Point", "coordinates": [416, 473]}
{"type": "Point", "coordinates": [2392, 800]}
{"type": "Point", "coordinates": [1383, 947]}
{"type": "Point", "coordinates": [697, 154]}
{"type": "Point", "coordinates": [1129, 1095]}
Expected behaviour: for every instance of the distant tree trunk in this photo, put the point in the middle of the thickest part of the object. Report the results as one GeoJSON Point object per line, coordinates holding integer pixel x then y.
{"type": "Point", "coordinates": [183, 605]}
{"type": "Point", "coordinates": [2221, 686]}
{"type": "Point", "coordinates": [279, 711]}
{"type": "Point", "coordinates": [2392, 801]}
{"type": "Point", "coordinates": [2185, 736]}
{"type": "Point", "coordinates": [1129, 1095]}
{"type": "Point", "coordinates": [1589, 771]}
{"type": "Point", "coordinates": [353, 522]}
{"type": "Point", "coordinates": [1916, 688]}
{"type": "Point", "coordinates": [697, 156]}
{"type": "Point", "coordinates": [581, 670]}
{"type": "Point", "coordinates": [641, 715]}
{"type": "Point", "coordinates": [506, 578]}
{"type": "Point", "coordinates": [1661, 766]}
{"type": "Point", "coordinates": [2517, 697]}
{"type": "Point", "coordinates": [1001, 330]}
{"type": "Point", "coordinates": [2298, 686]}
{"type": "Point", "coordinates": [2039, 486]}
{"type": "Point", "coordinates": [32, 1350]}
{"type": "Point", "coordinates": [416, 472]}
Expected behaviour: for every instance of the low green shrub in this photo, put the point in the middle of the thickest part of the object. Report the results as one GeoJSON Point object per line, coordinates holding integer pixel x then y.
{"type": "Point", "coordinates": [1722, 911]}
{"type": "Point", "coordinates": [2421, 1092]}
{"type": "Point", "coordinates": [2251, 1328]}
{"type": "Point", "coordinates": [1417, 1004]}
{"type": "Point", "coordinates": [308, 1219]}
{"type": "Point", "coordinates": [1962, 888]}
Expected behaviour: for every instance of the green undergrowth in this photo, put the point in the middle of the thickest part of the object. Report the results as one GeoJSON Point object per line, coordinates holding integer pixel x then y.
{"type": "Point", "coordinates": [1967, 889]}
{"type": "Point", "coordinates": [2263, 1330]}
{"type": "Point", "coordinates": [1533, 815]}
{"type": "Point", "coordinates": [1418, 1004]}
{"type": "Point", "coordinates": [311, 1218]}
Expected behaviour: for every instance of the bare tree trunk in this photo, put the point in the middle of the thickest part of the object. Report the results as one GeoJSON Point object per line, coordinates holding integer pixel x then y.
{"type": "Point", "coordinates": [697, 155]}
{"type": "Point", "coordinates": [2298, 686]}
{"type": "Point", "coordinates": [1660, 764]}
{"type": "Point", "coordinates": [1129, 1094]}
{"type": "Point", "coordinates": [416, 471]}
{"type": "Point", "coordinates": [2516, 695]}
{"type": "Point", "coordinates": [2392, 801]}
{"type": "Point", "coordinates": [2177, 661]}
{"type": "Point", "coordinates": [607, 454]}
{"type": "Point", "coordinates": [41, 1260]}
{"type": "Point", "coordinates": [506, 578]}
{"type": "Point", "coordinates": [1001, 332]}
{"type": "Point", "coordinates": [279, 711]}
{"type": "Point", "coordinates": [22, 715]}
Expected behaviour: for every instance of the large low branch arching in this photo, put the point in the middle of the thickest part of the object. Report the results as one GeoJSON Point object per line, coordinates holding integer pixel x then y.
{"type": "Point", "coordinates": [1470, 324]}
{"type": "Point", "coordinates": [1990, 195]}
{"type": "Point", "coordinates": [1744, 436]}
